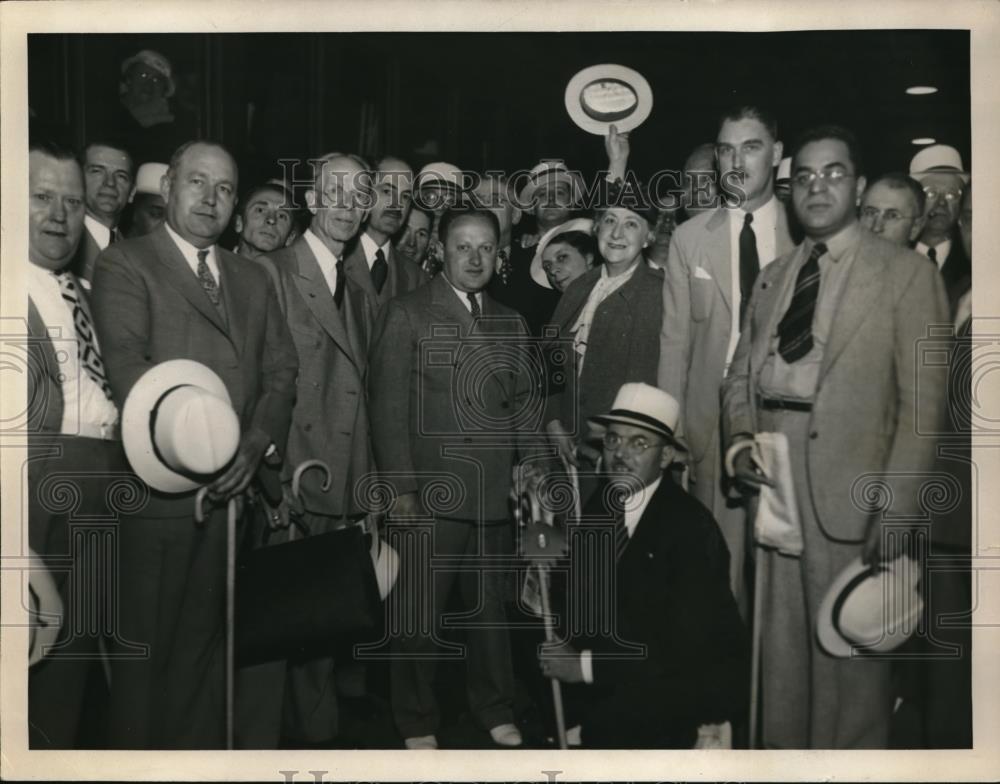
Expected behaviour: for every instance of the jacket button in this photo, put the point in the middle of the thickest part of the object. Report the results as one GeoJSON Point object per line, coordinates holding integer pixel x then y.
{"type": "Point", "coordinates": [814, 435]}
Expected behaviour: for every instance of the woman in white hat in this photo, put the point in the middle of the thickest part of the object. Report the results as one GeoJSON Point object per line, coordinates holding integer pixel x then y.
{"type": "Point", "coordinates": [564, 253]}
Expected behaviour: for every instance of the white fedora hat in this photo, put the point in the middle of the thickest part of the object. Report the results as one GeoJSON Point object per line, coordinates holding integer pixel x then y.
{"type": "Point", "coordinates": [604, 95]}
{"type": "Point", "coordinates": [147, 179]}
{"type": "Point", "coordinates": [538, 275]}
{"type": "Point", "coordinates": [645, 406]}
{"type": "Point", "coordinates": [937, 159]}
{"type": "Point", "coordinates": [870, 609]}
{"type": "Point", "coordinates": [45, 609]}
{"type": "Point", "coordinates": [178, 426]}
{"type": "Point", "coordinates": [542, 174]}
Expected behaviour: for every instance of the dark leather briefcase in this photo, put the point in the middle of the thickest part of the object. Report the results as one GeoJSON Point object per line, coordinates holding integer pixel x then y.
{"type": "Point", "coordinates": [306, 595]}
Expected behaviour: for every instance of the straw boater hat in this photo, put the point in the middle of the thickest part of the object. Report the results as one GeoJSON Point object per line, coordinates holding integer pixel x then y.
{"type": "Point", "coordinates": [178, 426]}
{"type": "Point", "coordinates": [147, 179]}
{"type": "Point", "coordinates": [604, 95]}
{"type": "Point", "coordinates": [873, 609]}
{"type": "Point", "coordinates": [586, 225]}
{"type": "Point", "coordinates": [645, 406]}
{"type": "Point", "coordinates": [441, 174]}
{"type": "Point", "coordinates": [937, 159]}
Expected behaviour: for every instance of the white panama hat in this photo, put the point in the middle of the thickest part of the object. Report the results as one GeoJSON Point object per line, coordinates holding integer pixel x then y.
{"type": "Point", "coordinates": [604, 95]}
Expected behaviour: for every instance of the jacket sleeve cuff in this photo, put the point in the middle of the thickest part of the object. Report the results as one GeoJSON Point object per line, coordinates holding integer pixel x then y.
{"type": "Point", "coordinates": [741, 441]}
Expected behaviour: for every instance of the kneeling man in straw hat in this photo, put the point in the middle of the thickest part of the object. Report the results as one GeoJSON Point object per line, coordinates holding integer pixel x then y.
{"type": "Point", "coordinates": [174, 294]}
{"type": "Point", "coordinates": [670, 653]}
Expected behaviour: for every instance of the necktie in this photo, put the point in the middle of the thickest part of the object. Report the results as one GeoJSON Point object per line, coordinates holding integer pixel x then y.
{"type": "Point", "coordinates": [87, 353]}
{"type": "Point", "coordinates": [932, 254]}
{"type": "Point", "coordinates": [795, 330]}
{"type": "Point", "coordinates": [207, 280]}
{"type": "Point", "coordinates": [380, 271]}
{"type": "Point", "coordinates": [474, 304]}
{"type": "Point", "coordinates": [749, 263]}
{"type": "Point", "coordinates": [617, 507]}
{"type": "Point", "coordinates": [338, 291]}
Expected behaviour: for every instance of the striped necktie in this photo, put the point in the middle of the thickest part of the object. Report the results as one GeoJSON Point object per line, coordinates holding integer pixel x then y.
{"type": "Point", "coordinates": [616, 504]}
{"type": "Point", "coordinates": [795, 338]}
{"type": "Point", "coordinates": [474, 304]}
{"type": "Point", "coordinates": [88, 354]}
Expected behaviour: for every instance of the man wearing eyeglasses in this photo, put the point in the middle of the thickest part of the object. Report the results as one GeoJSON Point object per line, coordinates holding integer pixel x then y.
{"type": "Point", "coordinates": [670, 569]}
{"type": "Point", "coordinates": [713, 261]}
{"type": "Point", "coordinates": [828, 357]}
{"type": "Point", "coordinates": [939, 171]}
{"type": "Point", "coordinates": [893, 207]}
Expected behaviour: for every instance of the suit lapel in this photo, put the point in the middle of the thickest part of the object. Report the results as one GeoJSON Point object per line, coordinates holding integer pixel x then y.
{"type": "Point", "coordinates": [234, 294]}
{"type": "Point", "coordinates": [356, 269]}
{"type": "Point", "coordinates": [862, 291]}
{"type": "Point", "coordinates": [769, 301]}
{"type": "Point", "coordinates": [318, 298]}
{"type": "Point", "coordinates": [446, 302]}
{"type": "Point", "coordinates": [719, 254]}
{"type": "Point", "coordinates": [183, 279]}
{"type": "Point", "coordinates": [576, 298]}
{"type": "Point", "coordinates": [783, 237]}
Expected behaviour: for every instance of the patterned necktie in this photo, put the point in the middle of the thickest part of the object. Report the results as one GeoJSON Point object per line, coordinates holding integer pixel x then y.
{"type": "Point", "coordinates": [795, 329]}
{"type": "Point", "coordinates": [474, 304]}
{"type": "Point", "coordinates": [379, 271]}
{"type": "Point", "coordinates": [87, 352]}
{"type": "Point", "coordinates": [207, 280]}
{"type": "Point", "coordinates": [338, 291]}
{"type": "Point", "coordinates": [503, 266]}
{"type": "Point", "coordinates": [617, 508]}
{"type": "Point", "coordinates": [749, 263]}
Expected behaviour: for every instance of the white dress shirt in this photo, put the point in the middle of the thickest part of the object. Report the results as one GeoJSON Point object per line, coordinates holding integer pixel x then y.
{"type": "Point", "coordinates": [100, 232]}
{"type": "Point", "coordinates": [370, 249]}
{"type": "Point", "coordinates": [87, 411]}
{"type": "Point", "coordinates": [190, 254]}
{"type": "Point", "coordinates": [463, 296]}
{"type": "Point", "coordinates": [324, 256]}
{"type": "Point", "coordinates": [634, 506]}
{"type": "Point", "coordinates": [941, 252]}
{"type": "Point", "coordinates": [765, 229]}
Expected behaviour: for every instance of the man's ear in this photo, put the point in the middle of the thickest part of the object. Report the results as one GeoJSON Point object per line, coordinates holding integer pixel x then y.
{"type": "Point", "coordinates": [239, 224]}
{"type": "Point", "coordinates": [667, 455]}
{"type": "Point", "coordinates": [515, 215]}
{"type": "Point", "coordinates": [311, 200]}
{"type": "Point", "coordinates": [165, 183]}
{"type": "Point", "coordinates": [778, 149]}
{"type": "Point", "coordinates": [859, 190]}
{"type": "Point", "coordinates": [917, 228]}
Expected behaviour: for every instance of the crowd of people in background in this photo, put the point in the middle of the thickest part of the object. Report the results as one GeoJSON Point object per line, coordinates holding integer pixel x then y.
{"type": "Point", "coordinates": [673, 337]}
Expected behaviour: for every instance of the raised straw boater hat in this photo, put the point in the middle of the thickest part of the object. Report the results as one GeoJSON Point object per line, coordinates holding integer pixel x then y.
{"type": "Point", "coordinates": [178, 426]}
{"type": "Point", "coordinates": [604, 95]}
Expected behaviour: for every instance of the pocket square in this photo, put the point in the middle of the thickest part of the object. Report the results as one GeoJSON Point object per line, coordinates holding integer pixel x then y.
{"type": "Point", "coordinates": [701, 272]}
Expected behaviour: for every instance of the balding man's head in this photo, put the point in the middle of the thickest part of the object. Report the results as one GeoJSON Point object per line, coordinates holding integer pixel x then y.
{"type": "Point", "coordinates": [200, 191]}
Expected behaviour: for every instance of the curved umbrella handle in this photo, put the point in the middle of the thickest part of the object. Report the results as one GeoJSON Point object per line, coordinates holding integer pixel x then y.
{"type": "Point", "coordinates": [199, 505]}
{"type": "Point", "coordinates": [305, 466]}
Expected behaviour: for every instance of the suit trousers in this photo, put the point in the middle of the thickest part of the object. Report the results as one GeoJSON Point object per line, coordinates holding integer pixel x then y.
{"type": "Point", "coordinates": [72, 543]}
{"type": "Point", "coordinates": [173, 580]}
{"type": "Point", "coordinates": [729, 513]}
{"type": "Point", "coordinates": [810, 699]}
{"type": "Point", "coordinates": [461, 551]}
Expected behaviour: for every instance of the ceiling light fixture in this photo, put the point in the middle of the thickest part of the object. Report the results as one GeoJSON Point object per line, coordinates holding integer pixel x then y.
{"type": "Point", "coordinates": [921, 90]}
{"type": "Point", "coordinates": [922, 140]}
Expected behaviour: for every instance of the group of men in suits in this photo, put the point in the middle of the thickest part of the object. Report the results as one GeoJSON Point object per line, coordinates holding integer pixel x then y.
{"type": "Point", "coordinates": [337, 347]}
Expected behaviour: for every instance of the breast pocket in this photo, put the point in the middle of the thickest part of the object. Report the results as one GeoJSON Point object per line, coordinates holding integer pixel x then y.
{"type": "Point", "coordinates": [702, 295]}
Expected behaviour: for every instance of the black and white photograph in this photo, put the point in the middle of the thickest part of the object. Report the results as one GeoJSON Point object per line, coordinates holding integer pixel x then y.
{"type": "Point", "coordinates": [564, 391]}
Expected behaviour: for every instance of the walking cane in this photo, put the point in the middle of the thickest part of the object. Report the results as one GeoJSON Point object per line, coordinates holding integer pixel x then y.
{"type": "Point", "coordinates": [199, 516]}
{"type": "Point", "coordinates": [755, 631]}
{"type": "Point", "coordinates": [300, 469]}
{"type": "Point", "coordinates": [543, 579]}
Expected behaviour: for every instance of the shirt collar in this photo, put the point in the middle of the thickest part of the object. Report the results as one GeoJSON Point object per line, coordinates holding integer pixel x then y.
{"type": "Point", "coordinates": [100, 232]}
{"type": "Point", "coordinates": [766, 213]}
{"type": "Point", "coordinates": [370, 248]}
{"type": "Point", "coordinates": [839, 243]}
{"type": "Point", "coordinates": [643, 493]}
{"type": "Point", "coordinates": [186, 248]}
{"type": "Point", "coordinates": [322, 253]}
{"type": "Point", "coordinates": [464, 295]}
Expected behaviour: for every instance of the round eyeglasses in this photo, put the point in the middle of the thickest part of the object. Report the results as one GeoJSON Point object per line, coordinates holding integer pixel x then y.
{"type": "Point", "coordinates": [632, 447]}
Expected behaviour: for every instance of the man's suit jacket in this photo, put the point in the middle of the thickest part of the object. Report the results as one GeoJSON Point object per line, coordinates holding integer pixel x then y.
{"type": "Point", "coordinates": [697, 320]}
{"type": "Point", "coordinates": [878, 399]}
{"type": "Point", "coordinates": [330, 417]}
{"type": "Point", "coordinates": [149, 307]}
{"type": "Point", "coordinates": [443, 401]}
{"type": "Point", "coordinates": [956, 273]}
{"type": "Point", "coordinates": [86, 257]}
{"type": "Point", "coordinates": [404, 277]}
{"type": "Point", "coordinates": [672, 596]}
{"type": "Point", "coordinates": [622, 345]}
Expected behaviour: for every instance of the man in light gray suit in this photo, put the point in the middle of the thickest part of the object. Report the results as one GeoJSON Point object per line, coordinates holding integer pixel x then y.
{"type": "Point", "coordinates": [828, 356]}
{"type": "Point", "coordinates": [713, 260]}
{"type": "Point", "coordinates": [298, 700]}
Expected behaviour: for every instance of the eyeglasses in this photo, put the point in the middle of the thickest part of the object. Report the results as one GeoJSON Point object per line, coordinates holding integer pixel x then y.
{"type": "Point", "coordinates": [934, 193]}
{"type": "Point", "coordinates": [633, 447]}
{"type": "Point", "coordinates": [888, 216]}
{"type": "Point", "coordinates": [805, 179]}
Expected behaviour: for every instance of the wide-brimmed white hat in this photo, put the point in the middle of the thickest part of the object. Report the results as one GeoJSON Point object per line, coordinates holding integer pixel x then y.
{"type": "Point", "coordinates": [157, 62]}
{"type": "Point", "coordinates": [538, 275]}
{"type": "Point", "coordinates": [604, 95]}
{"type": "Point", "coordinates": [178, 426]}
{"type": "Point", "coordinates": [645, 406]}
{"type": "Point", "coordinates": [873, 609]}
{"type": "Point", "coordinates": [147, 179]}
{"type": "Point", "coordinates": [547, 172]}
{"type": "Point", "coordinates": [937, 159]}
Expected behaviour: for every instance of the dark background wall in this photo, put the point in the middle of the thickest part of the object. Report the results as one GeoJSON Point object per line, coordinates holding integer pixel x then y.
{"type": "Point", "coordinates": [496, 100]}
